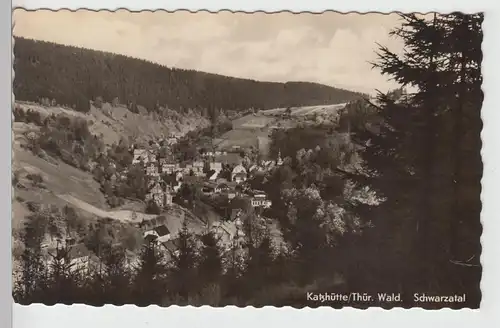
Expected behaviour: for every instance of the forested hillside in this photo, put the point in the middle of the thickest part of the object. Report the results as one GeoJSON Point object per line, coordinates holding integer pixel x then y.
{"type": "Point", "coordinates": [72, 76]}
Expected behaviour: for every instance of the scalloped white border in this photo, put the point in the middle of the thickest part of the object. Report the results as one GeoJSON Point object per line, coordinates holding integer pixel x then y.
{"type": "Point", "coordinates": [154, 316]}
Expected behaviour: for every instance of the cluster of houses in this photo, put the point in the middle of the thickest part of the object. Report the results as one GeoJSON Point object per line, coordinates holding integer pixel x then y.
{"type": "Point", "coordinates": [207, 169]}
{"type": "Point", "coordinates": [205, 173]}
{"type": "Point", "coordinates": [228, 232]}
{"type": "Point", "coordinates": [75, 256]}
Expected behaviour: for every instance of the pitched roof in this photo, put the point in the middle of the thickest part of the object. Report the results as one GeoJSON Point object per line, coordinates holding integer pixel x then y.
{"type": "Point", "coordinates": [171, 244]}
{"type": "Point", "coordinates": [149, 238]}
{"type": "Point", "coordinates": [239, 168]}
{"type": "Point", "coordinates": [214, 176]}
{"type": "Point", "coordinates": [162, 230]}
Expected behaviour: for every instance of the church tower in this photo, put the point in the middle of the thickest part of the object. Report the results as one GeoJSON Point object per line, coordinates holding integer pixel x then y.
{"type": "Point", "coordinates": [279, 161]}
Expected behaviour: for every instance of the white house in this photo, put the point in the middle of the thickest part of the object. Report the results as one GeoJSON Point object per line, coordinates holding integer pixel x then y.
{"type": "Point", "coordinates": [171, 141]}
{"type": "Point", "coordinates": [198, 167]}
{"type": "Point", "coordinates": [239, 174]}
{"type": "Point", "coordinates": [259, 199]}
{"type": "Point", "coordinates": [169, 168]}
{"type": "Point", "coordinates": [240, 177]}
{"type": "Point", "coordinates": [159, 234]}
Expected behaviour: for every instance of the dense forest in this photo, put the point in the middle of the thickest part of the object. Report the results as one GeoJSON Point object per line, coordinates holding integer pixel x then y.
{"type": "Point", "coordinates": [72, 76]}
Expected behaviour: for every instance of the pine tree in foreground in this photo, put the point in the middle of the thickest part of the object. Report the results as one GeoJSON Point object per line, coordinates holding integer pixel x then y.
{"type": "Point", "coordinates": [182, 273]}
{"type": "Point", "coordinates": [31, 283]}
{"type": "Point", "coordinates": [419, 158]}
{"type": "Point", "coordinates": [63, 278]}
{"type": "Point", "coordinates": [149, 283]}
{"type": "Point", "coordinates": [116, 276]}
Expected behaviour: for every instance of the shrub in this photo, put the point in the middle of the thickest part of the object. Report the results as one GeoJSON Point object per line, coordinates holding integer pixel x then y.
{"type": "Point", "coordinates": [98, 102]}
{"type": "Point", "coordinates": [114, 201]}
{"type": "Point", "coordinates": [36, 179]}
{"type": "Point", "coordinates": [132, 106]}
{"type": "Point", "coordinates": [19, 114]}
{"type": "Point", "coordinates": [33, 207]}
{"type": "Point", "coordinates": [152, 208]}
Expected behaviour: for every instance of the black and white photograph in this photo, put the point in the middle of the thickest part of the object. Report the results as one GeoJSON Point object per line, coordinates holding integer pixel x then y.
{"type": "Point", "coordinates": [248, 159]}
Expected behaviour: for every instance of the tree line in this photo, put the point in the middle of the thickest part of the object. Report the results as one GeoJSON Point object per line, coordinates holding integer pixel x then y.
{"type": "Point", "coordinates": [73, 76]}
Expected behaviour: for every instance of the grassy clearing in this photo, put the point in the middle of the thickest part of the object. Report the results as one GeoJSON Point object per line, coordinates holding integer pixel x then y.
{"type": "Point", "coordinates": [59, 177]}
{"type": "Point", "coordinates": [306, 110]}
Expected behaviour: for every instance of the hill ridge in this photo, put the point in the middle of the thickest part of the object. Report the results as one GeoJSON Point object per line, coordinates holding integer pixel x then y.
{"type": "Point", "coordinates": [73, 76]}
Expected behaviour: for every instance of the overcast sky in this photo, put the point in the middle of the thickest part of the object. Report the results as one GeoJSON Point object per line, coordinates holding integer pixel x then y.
{"type": "Point", "coordinates": [329, 48]}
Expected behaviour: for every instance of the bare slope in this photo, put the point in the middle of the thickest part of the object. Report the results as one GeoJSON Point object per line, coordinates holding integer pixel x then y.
{"type": "Point", "coordinates": [306, 110]}
{"type": "Point", "coordinates": [112, 123]}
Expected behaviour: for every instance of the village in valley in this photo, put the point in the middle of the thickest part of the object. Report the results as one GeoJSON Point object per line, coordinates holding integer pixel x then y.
{"type": "Point", "coordinates": [219, 173]}
{"type": "Point", "coordinates": [207, 174]}
{"type": "Point", "coordinates": [217, 176]}
{"type": "Point", "coordinates": [247, 167]}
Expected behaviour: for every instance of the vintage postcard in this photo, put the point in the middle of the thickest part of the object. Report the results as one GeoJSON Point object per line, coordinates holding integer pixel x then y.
{"type": "Point", "coordinates": [249, 159]}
